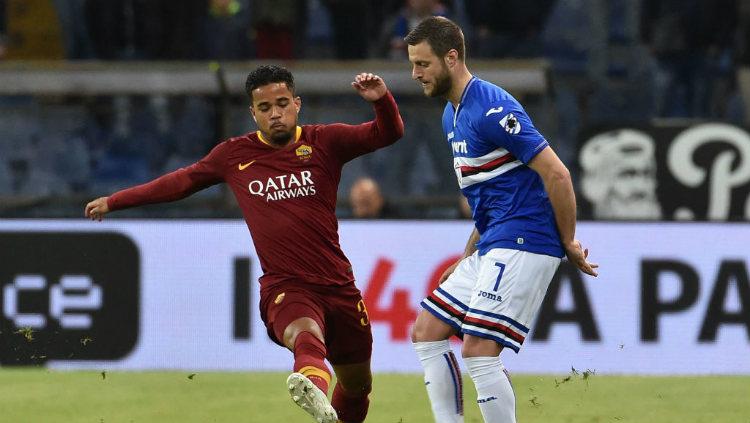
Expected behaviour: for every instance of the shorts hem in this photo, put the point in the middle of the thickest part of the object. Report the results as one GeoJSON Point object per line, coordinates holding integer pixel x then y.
{"type": "Point", "coordinates": [499, 339]}
{"type": "Point", "coordinates": [427, 306]}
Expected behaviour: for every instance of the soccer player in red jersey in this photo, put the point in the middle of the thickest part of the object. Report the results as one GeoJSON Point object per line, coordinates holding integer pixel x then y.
{"type": "Point", "coordinates": [285, 178]}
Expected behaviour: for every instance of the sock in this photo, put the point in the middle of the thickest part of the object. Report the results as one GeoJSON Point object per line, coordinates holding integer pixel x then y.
{"type": "Point", "coordinates": [309, 356]}
{"type": "Point", "coordinates": [351, 407]}
{"type": "Point", "coordinates": [442, 378]}
{"type": "Point", "coordinates": [495, 395]}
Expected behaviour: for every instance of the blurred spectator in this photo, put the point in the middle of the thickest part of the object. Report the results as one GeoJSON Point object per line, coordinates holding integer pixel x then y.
{"type": "Point", "coordinates": [380, 12]}
{"type": "Point", "coordinates": [228, 30]}
{"type": "Point", "coordinates": [572, 37]}
{"type": "Point", "coordinates": [392, 44]}
{"type": "Point", "coordinates": [688, 39]}
{"type": "Point", "coordinates": [498, 33]}
{"type": "Point", "coordinates": [75, 32]}
{"type": "Point", "coordinates": [367, 202]}
{"type": "Point", "coordinates": [276, 23]}
{"type": "Point", "coordinates": [319, 38]}
{"type": "Point", "coordinates": [349, 19]}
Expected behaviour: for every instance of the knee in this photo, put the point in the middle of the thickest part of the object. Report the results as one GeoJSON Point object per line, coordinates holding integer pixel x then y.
{"type": "Point", "coordinates": [303, 324]}
{"type": "Point", "coordinates": [417, 331]}
{"type": "Point", "coordinates": [428, 328]}
{"type": "Point", "coordinates": [475, 346]}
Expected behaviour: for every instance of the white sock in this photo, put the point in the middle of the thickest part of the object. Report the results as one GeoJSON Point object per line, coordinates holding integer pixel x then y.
{"type": "Point", "coordinates": [494, 391]}
{"type": "Point", "coordinates": [442, 378]}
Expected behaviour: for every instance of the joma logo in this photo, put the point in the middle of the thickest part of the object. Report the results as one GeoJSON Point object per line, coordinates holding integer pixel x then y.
{"type": "Point", "coordinates": [490, 296]}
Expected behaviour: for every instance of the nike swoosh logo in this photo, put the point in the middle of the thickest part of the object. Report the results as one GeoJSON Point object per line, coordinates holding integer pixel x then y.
{"type": "Point", "coordinates": [244, 166]}
{"type": "Point", "coordinates": [494, 110]}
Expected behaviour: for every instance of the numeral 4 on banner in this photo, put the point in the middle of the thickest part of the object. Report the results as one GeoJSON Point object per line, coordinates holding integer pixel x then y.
{"type": "Point", "coordinates": [399, 314]}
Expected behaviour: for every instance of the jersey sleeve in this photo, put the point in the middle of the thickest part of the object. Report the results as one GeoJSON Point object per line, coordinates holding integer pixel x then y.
{"type": "Point", "coordinates": [348, 142]}
{"type": "Point", "coordinates": [175, 185]}
{"type": "Point", "coordinates": [507, 125]}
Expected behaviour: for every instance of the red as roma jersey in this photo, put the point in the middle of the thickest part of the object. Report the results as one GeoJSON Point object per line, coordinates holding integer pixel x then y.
{"type": "Point", "coordinates": [287, 195]}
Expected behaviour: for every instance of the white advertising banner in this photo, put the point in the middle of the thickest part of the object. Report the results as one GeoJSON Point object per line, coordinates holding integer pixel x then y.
{"type": "Point", "coordinates": [671, 298]}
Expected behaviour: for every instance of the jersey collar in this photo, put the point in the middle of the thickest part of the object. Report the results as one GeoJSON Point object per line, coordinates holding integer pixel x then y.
{"type": "Point", "coordinates": [463, 95]}
{"type": "Point", "coordinates": [298, 133]}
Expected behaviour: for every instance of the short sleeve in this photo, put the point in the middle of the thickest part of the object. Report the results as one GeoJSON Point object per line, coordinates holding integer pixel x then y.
{"type": "Point", "coordinates": [507, 125]}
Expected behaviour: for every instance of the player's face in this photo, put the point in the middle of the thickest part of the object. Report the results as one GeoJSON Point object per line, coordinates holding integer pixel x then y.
{"type": "Point", "coordinates": [275, 109]}
{"type": "Point", "coordinates": [429, 70]}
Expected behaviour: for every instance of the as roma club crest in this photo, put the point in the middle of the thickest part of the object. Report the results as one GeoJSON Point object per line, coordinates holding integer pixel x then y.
{"type": "Point", "coordinates": [303, 152]}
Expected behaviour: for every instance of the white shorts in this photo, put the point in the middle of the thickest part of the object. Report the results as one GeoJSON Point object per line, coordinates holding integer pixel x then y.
{"type": "Point", "coordinates": [494, 296]}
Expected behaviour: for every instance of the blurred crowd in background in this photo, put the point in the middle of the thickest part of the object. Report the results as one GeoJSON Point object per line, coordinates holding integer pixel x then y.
{"type": "Point", "coordinates": [609, 61]}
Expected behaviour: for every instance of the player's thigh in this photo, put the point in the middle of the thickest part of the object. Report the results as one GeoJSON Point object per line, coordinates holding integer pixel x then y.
{"type": "Point", "coordinates": [355, 378]}
{"type": "Point", "coordinates": [508, 294]}
{"type": "Point", "coordinates": [347, 326]}
{"type": "Point", "coordinates": [288, 311]}
{"type": "Point", "coordinates": [448, 303]}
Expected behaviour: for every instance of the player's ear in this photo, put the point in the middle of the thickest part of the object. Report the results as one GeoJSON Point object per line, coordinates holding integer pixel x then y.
{"type": "Point", "coordinates": [451, 58]}
{"type": "Point", "coordinates": [298, 103]}
{"type": "Point", "coordinates": [252, 113]}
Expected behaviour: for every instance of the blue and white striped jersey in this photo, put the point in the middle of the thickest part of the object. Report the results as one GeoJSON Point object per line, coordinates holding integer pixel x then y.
{"type": "Point", "coordinates": [493, 140]}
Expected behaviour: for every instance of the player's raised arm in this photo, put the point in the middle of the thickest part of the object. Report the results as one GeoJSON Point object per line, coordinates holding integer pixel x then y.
{"type": "Point", "coordinates": [370, 86]}
{"type": "Point", "coordinates": [351, 141]}
{"type": "Point", "coordinates": [388, 127]}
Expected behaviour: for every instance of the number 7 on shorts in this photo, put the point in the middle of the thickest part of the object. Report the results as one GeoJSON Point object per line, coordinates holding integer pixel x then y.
{"type": "Point", "coordinates": [499, 275]}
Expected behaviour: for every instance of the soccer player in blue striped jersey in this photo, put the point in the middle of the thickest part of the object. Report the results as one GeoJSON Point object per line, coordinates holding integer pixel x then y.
{"type": "Point", "coordinates": [524, 209]}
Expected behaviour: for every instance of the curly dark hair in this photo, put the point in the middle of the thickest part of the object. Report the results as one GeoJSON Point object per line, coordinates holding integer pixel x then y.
{"type": "Point", "coordinates": [268, 74]}
{"type": "Point", "coordinates": [441, 34]}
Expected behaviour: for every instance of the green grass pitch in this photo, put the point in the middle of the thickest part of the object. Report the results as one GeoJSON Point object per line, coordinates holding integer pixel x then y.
{"type": "Point", "coordinates": [44, 396]}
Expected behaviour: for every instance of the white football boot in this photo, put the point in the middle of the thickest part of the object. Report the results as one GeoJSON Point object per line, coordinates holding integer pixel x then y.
{"type": "Point", "coordinates": [310, 398]}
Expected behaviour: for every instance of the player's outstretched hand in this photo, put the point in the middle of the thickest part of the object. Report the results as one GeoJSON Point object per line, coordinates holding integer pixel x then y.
{"type": "Point", "coordinates": [577, 255]}
{"type": "Point", "coordinates": [371, 87]}
{"type": "Point", "coordinates": [95, 210]}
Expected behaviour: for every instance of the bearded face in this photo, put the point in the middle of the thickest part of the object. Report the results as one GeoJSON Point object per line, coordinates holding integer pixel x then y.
{"type": "Point", "coordinates": [429, 70]}
{"type": "Point", "coordinates": [442, 84]}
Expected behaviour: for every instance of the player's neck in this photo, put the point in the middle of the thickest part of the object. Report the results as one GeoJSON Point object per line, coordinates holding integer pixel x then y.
{"type": "Point", "coordinates": [460, 81]}
{"type": "Point", "coordinates": [279, 143]}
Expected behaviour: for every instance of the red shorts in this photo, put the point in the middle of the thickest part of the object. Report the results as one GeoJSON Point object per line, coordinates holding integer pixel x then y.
{"type": "Point", "coordinates": [338, 309]}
